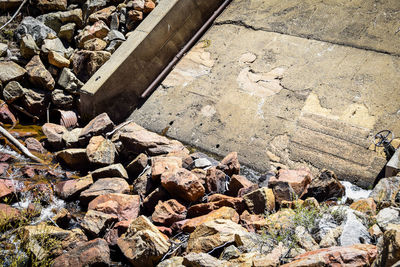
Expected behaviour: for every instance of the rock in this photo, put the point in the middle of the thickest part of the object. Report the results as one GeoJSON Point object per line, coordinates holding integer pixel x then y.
{"type": "Point", "coordinates": [71, 189]}
{"type": "Point", "coordinates": [325, 187]}
{"type": "Point", "coordinates": [330, 238]}
{"type": "Point", "coordinates": [62, 100]}
{"type": "Point", "coordinates": [34, 145]}
{"type": "Point", "coordinates": [3, 49]}
{"type": "Point", "coordinates": [5, 114]}
{"type": "Point", "coordinates": [172, 262]}
{"type": "Point", "coordinates": [70, 138]}
{"type": "Point", "coordinates": [144, 184]}
{"type": "Point", "coordinates": [149, 5]}
{"type": "Point", "coordinates": [168, 212]}
{"type": "Point", "coordinates": [100, 151]}
{"type": "Point", "coordinates": [354, 232]}
{"type": "Point", "coordinates": [114, 24]}
{"type": "Point", "coordinates": [115, 35]}
{"type": "Point", "coordinates": [95, 222]}
{"type": "Point", "coordinates": [95, 44]}
{"type": "Point", "coordinates": [367, 206]}
{"type": "Point", "coordinates": [297, 179]}
{"type": "Point", "coordinates": [215, 202]}
{"type": "Point", "coordinates": [183, 184]}
{"type": "Point", "coordinates": [305, 240]}
{"type": "Point", "coordinates": [253, 222]}
{"type": "Point", "coordinates": [160, 164]}
{"type": "Point", "coordinates": [214, 233]}
{"type": "Point", "coordinates": [387, 216]}
{"type": "Point", "coordinates": [103, 14]}
{"type": "Point", "coordinates": [58, 60]}
{"type": "Point", "coordinates": [10, 71]}
{"type": "Point", "coordinates": [62, 218]}
{"type": "Point", "coordinates": [221, 213]}
{"type": "Point", "coordinates": [97, 30]}
{"type": "Point", "coordinates": [389, 248]}
{"type": "Point", "coordinates": [230, 252]}
{"type": "Point", "coordinates": [260, 201]}
{"type": "Point", "coordinates": [69, 82]}
{"type": "Point", "coordinates": [104, 186]}
{"type": "Point", "coordinates": [124, 207]}
{"type": "Point", "coordinates": [216, 181]}
{"type": "Point", "coordinates": [52, 5]}
{"type": "Point", "coordinates": [136, 166]}
{"type": "Point", "coordinates": [150, 202]}
{"type": "Point", "coordinates": [113, 45]}
{"type": "Point", "coordinates": [93, 5]}
{"type": "Point", "coordinates": [28, 47]}
{"type": "Point", "coordinates": [85, 63]}
{"type": "Point", "coordinates": [133, 17]}
{"type": "Point", "coordinates": [230, 164]}
{"type": "Point", "coordinates": [54, 44]}
{"type": "Point", "coordinates": [74, 158]}
{"type": "Point", "coordinates": [283, 192]}
{"type": "Point", "coordinates": [13, 91]}
{"type": "Point", "coordinates": [92, 253]}
{"type": "Point", "coordinates": [54, 133]}
{"type": "Point", "coordinates": [37, 29]}
{"type": "Point", "coordinates": [115, 170]}
{"type": "Point", "coordinates": [136, 139]}
{"type": "Point", "coordinates": [282, 219]}
{"type": "Point", "coordinates": [38, 74]}
{"type": "Point", "coordinates": [35, 101]}
{"type": "Point", "coordinates": [356, 255]}
{"type": "Point", "coordinates": [8, 215]}
{"type": "Point", "coordinates": [101, 124]}
{"type": "Point", "coordinates": [201, 260]}
{"type": "Point", "coordinates": [386, 191]}
{"type": "Point", "coordinates": [67, 32]}
{"type": "Point", "coordinates": [6, 189]}
{"type": "Point", "coordinates": [55, 20]}
{"type": "Point", "coordinates": [144, 235]}
{"type": "Point", "coordinates": [236, 183]}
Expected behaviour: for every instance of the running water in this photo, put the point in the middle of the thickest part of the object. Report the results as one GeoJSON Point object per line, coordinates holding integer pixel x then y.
{"type": "Point", "coordinates": [354, 192]}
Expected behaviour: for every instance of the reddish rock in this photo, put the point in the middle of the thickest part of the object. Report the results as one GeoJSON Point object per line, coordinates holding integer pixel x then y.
{"type": "Point", "coordinates": [4, 157]}
{"type": "Point", "coordinates": [104, 186]}
{"type": "Point", "coordinates": [236, 183]}
{"type": "Point", "coordinates": [8, 214]}
{"type": "Point", "coordinates": [6, 115]}
{"type": "Point", "coordinates": [114, 170]}
{"type": "Point", "coordinates": [6, 189]}
{"type": "Point", "coordinates": [136, 166]}
{"type": "Point", "coordinates": [98, 30]}
{"type": "Point", "coordinates": [355, 255]}
{"type": "Point", "coordinates": [215, 202]}
{"type": "Point", "coordinates": [160, 164]}
{"type": "Point", "coordinates": [165, 230]}
{"type": "Point", "coordinates": [3, 168]}
{"type": "Point", "coordinates": [230, 164]}
{"type": "Point", "coordinates": [325, 186]}
{"type": "Point", "coordinates": [183, 184]}
{"type": "Point", "coordinates": [34, 145]}
{"type": "Point", "coordinates": [100, 151]}
{"type": "Point", "coordinates": [245, 190]}
{"type": "Point", "coordinates": [178, 226]}
{"type": "Point", "coordinates": [149, 5]}
{"type": "Point", "coordinates": [28, 171]}
{"type": "Point", "coordinates": [201, 174]}
{"type": "Point", "coordinates": [283, 192]}
{"type": "Point", "coordinates": [125, 207]}
{"type": "Point", "coordinates": [168, 212]}
{"type": "Point", "coordinates": [54, 133]}
{"type": "Point", "coordinates": [143, 185]}
{"type": "Point", "coordinates": [74, 158]}
{"type": "Point", "coordinates": [253, 222]}
{"type": "Point", "coordinates": [101, 124]}
{"type": "Point", "coordinates": [297, 179]}
{"type": "Point", "coordinates": [103, 14]}
{"type": "Point", "coordinates": [367, 206]}
{"type": "Point", "coordinates": [93, 253]}
{"type": "Point", "coordinates": [221, 213]}
{"type": "Point", "coordinates": [260, 201]}
{"type": "Point", "coordinates": [39, 75]}
{"type": "Point", "coordinates": [52, 5]}
{"type": "Point", "coordinates": [150, 202]}
{"type": "Point", "coordinates": [72, 188]}
{"type": "Point", "coordinates": [215, 181]}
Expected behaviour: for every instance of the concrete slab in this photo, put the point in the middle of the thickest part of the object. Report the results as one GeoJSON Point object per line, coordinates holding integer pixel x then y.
{"type": "Point", "coordinates": [279, 98]}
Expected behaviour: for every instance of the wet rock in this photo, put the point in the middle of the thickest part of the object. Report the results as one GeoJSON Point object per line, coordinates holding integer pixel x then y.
{"type": "Point", "coordinates": [367, 206]}
{"type": "Point", "coordinates": [354, 232]}
{"type": "Point", "coordinates": [103, 14]}
{"type": "Point", "coordinates": [61, 100]}
{"type": "Point", "coordinates": [54, 133]}
{"type": "Point", "coordinates": [58, 60]}
{"type": "Point", "coordinates": [70, 138]}
{"type": "Point", "coordinates": [386, 191]}
{"type": "Point", "coordinates": [37, 29]}
{"type": "Point", "coordinates": [101, 124]}
{"type": "Point", "coordinates": [230, 164]}
{"type": "Point", "coordinates": [168, 212]}
{"type": "Point", "coordinates": [69, 82]}
{"type": "Point", "coordinates": [221, 213]}
{"type": "Point", "coordinates": [260, 201]}
{"type": "Point", "coordinates": [100, 151]}
{"type": "Point", "coordinates": [215, 202]}
{"type": "Point", "coordinates": [34, 145]}
{"type": "Point", "coordinates": [52, 5]}
{"type": "Point", "coordinates": [85, 63]}
{"type": "Point", "coordinates": [6, 190]}
{"type": "Point", "coordinates": [92, 253]}
{"type": "Point", "coordinates": [55, 20]}
{"type": "Point", "coordinates": [28, 47]}
{"type": "Point", "coordinates": [38, 74]}
{"type": "Point", "coordinates": [124, 207]}
{"type": "Point", "coordinates": [297, 179]}
{"type": "Point", "coordinates": [216, 181]}
{"type": "Point", "coordinates": [160, 164]}
{"type": "Point", "coordinates": [136, 166]}
{"type": "Point", "coordinates": [67, 32]}
{"type": "Point", "coordinates": [74, 158]}
{"type": "Point", "coordinates": [201, 260]}
{"type": "Point", "coordinates": [115, 170]}
{"type": "Point", "coordinates": [8, 215]}
{"type": "Point", "coordinates": [184, 184]}
{"type": "Point", "coordinates": [150, 202]}
{"type": "Point", "coordinates": [236, 183]}
{"type": "Point", "coordinates": [95, 44]}
{"type": "Point", "coordinates": [356, 255]}
{"type": "Point", "coordinates": [13, 91]}
{"type": "Point", "coordinates": [35, 101]}
{"type": "Point", "coordinates": [95, 222]}
{"type": "Point", "coordinates": [10, 71]}
{"type": "Point", "coordinates": [387, 216]}
{"type": "Point", "coordinates": [325, 187]}
{"type": "Point", "coordinates": [144, 235]}
{"type": "Point", "coordinates": [104, 186]}
{"type": "Point", "coordinates": [214, 233]}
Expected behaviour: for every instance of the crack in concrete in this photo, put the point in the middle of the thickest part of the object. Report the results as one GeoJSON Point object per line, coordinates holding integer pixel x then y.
{"type": "Point", "coordinates": [241, 23]}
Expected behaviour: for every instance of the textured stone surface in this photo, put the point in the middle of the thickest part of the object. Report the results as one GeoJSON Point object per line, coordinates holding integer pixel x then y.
{"type": "Point", "coordinates": [104, 186]}
{"type": "Point", "coordinates": [125, 207]}
{"type": "Point", "coordinates": [10, 71]}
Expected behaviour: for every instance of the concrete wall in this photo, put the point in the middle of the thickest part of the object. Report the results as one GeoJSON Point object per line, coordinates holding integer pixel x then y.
{"type": "Point", "coordinates": [116, 87]}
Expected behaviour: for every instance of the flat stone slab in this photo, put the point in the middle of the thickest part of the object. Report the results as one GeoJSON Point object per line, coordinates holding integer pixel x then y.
{"type": "Point", "coordinates": [276, 97]}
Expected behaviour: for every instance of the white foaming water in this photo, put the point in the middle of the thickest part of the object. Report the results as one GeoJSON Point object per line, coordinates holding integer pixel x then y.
{"type": "Point", "coordinates": [354, 192]}
{"type": "Point", "coordinates": [8, 150]}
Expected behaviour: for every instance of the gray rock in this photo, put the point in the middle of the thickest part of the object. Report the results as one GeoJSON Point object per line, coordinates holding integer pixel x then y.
{"type": "Point", "coordinates": [113, 45]}
{"type": "Point", "coordinates": [92, 5]}
{"type": "Point", "coordinates": [53, 44]}
{"type": "Point", "coordinates": [229, 253]}
{"type": "Point", "coordinates": [13, 91]}
{"type": "Point", "coordinates": [385, 192]}
{"type": "Point", "coordinates": [387, 216]}
{"type": "Point", "coordinates": [55, 20]}
{"type": "Point", "coordinates": [172, 262]}
{"type": "Point", "coordinates": [34, 27]}
{"type": "Point", "coordinates": [10, 71]}
{"type": "Point", "coordinates": [201, 260]}
{"type": "Point", "coordinates": [28, 47]}
{"type": "Point", "coordinates": [67, 31]}
{"type": "Point", "coordinates": [3, 49]}
{"type": "Point", "coordinates": [95, 222]}
{"type": "Point", "coordinates": [305, 239]}
{"type": "Point", "coordinates": [114, 24]}
{"type": "Point", "coordinates": [115, 35]}
{"type": "Point", "coordinates": [71, 138]}
{"type": "Point", "coordinates": [114, 170]}
{"type": "Point", "coordinates": [202, 163]}
{"type": "Point", "coordinates": [61, 100]}
{"type": "Point", "coordinates": [104, 186]}
{"type": "Point", "coordinates": [69, 82]}
{"type": "Point", "coordinates": [354, 232]}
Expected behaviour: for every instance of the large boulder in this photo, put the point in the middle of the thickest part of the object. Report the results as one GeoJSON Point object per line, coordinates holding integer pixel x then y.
{"type": "Point", "coordinates": [125, 207]}
{"type": "Point", "coordinates": [325, 186]}
{"type": "Point", "coordinates": [297, 179]}
{"type": "Point", "coordinates": [104, 186]}
{"type": "Point", "coordinates": [385, 193]}
{"type": "Point", "coordinates": [389, 248]}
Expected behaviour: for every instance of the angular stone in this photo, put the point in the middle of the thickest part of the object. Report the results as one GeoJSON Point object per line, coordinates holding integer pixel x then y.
{"type": "Point", "coordinates": [37, 29]}
{"type": "Point", "coordinates": [297, 179]}
{"type": "Point", "coordinates": [101, 124]}
{"type": "Point", "coordinates": [100, 151]}
{"type": "Point", "coordinates": [61, 100]}
{"type": "Point", "coordinates": [115, 35]}
{"type": "Point", "coordinates": [136, 166]}
{"type": "Point", "coordinates": [230, 164]}
{"type": "Point", "coordinates": [221, 213]}
{"type": "Point", "coordinates": [104, 186]}
{"type": "Point", "coordinates": [160, 164]}
{"type": "Point", "coordinates": [283, 192]}
{"type": "Point", "coordinates": [149, 5]}
{"type": "Point", "coordinates": [70, 138]}
{"type": "Point", "coordinates": [103, 14]}
{"type": "Point", "coordinates": [71, 189]}
{"type": "Point", "coordinates": [95, 44]}
{"type": "Point", "coordinates": [69, 82]}
{"type": "Point", "coordinates": [253, 222]}
{"type": "Point", "coordinates": [354, 231]}
{"type": "Point", "coordinates": [10, 71]}
{"type": "Point", "coordinates": [5, 114]}
{"type": "Point", "coordinates": [172, 262]}
{"type": "Point", "coordinates": [52, 5]}
{"type": "Point", "coordinates": [35, 101]}
{"type": "Point", "coordinates": [367, 206]}
{"type": "Point", "coordinates": [184, 184]}
{"type": "Point", "coordinates": [168, 212]}
{"type": "Point", "coordinates": [34, 145]}
{"type": "Point", "coordinates": [54, 44]}
{"type": "Point", "coordinates": [28, 47]}
{"type": "Point", "coordinates": [236, 183]}
{"type": "Point", "coordinates": [260, 201]}
{"type": "Point", "coordinates": [114, 170]}
{"type": "Point", "coordinates": [6, 190]}
{"type": "Point", "coordinates": [144, 184]}
{"type": "Point", "coordinates": [8, 215]}
{"type": "Point", "coordinates": [58, 60]}
{"type": "Point", "coordinates": [330, 238]}
{"type": "Point", "coordinates": [67, 32]}
{"type": "Point", "coordinates": [216, 181]}
{"type": "Point", "coordinates": [54, 133]}
{"type": "Point", "coordinates": [386, 191]}
{"type": "Point", "coordinates": [98, 30]}
{"type": "Point", "coordinates": [95, 222]}
{"type": "Point", "coordinates": [55, 20]}
{"type": "Point", "coordinates": [150, 202]}
{"type": "Point", "coordinates": [92, 253]}
{"type": "Point", "coordinates": [74, 158]}
{"type": "Point", "coordinates": [3, 49]}
{"type": "Point", "coordinates": [85, 63]}
{"type": "Point", "coordinates": [387, 216]}
{"type": "Point", "coordinates": [305, 240]}
{"type": "Point", "coordinates": [13, 91]}
{"type": "Point", "coordinates": [39, 75]}
{"type": "Point", "coordinates": [325, 186]}
{"type": "Point", "coordinates": [125, 207]}
{"type": "Point", "coordinates": [144, 235]}
{"type": "Point", "coordinates": [201, 259]}
{"type": "Point", "coordinates": [215, 202]}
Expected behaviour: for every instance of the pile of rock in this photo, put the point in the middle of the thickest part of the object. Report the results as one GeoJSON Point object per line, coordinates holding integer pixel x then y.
{"type": "Point", "coordinates": [54, 53]}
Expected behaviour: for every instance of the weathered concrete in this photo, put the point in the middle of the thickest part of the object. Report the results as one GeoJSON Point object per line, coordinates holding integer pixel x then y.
{"type": "Point", "coordinates": [256, 85]}
{"type": "Point", "coordinates": [115, 88]}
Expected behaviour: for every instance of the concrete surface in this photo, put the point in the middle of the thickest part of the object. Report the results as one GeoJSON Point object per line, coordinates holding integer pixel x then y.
{"type": "Point", "coordinates": [115, 88]}
{"type": "Point", "coordinates": [289, 83]}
